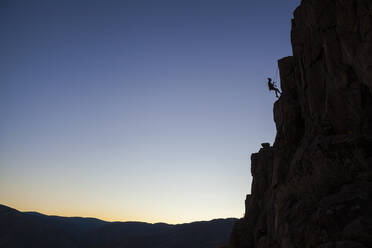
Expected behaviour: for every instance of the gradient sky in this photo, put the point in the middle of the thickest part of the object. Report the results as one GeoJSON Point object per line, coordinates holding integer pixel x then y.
{"type": "Point", "coordinates": [142, 110]}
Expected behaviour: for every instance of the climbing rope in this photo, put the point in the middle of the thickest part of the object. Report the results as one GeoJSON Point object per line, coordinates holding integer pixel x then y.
{"type": "Point", "coordinates": [276, 75]}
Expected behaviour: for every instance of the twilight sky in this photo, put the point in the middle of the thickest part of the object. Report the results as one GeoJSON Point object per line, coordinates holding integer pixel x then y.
{"type": "Point", "coordinates": [142, 110]}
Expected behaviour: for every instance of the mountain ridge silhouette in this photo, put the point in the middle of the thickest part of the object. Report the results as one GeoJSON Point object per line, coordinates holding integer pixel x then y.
{"type": "Point", "coordinates": [34, 229]}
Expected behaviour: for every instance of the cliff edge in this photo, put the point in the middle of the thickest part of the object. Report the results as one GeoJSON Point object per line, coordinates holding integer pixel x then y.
{"type": "Point", "coordinates": [313, 187]}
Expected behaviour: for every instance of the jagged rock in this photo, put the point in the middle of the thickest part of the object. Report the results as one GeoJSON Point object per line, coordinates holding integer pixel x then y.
{"type": "Point", "coordinates": [265, 145]}
{"type": "Point", "coordinates": [313, 187]}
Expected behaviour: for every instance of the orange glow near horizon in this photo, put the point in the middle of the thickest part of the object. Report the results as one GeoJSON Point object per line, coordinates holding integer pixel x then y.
{"type": "Point", "coordinates": [115, 215]}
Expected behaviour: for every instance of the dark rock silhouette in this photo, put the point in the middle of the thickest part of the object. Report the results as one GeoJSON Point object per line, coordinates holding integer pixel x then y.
{"type": "Point", "coordinates": [31, 229]}
{"type": "Point", "coordinates": [313, 187]}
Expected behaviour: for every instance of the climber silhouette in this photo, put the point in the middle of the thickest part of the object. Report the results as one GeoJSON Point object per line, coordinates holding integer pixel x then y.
{"type": "Point", "coordinates": [273, 87]}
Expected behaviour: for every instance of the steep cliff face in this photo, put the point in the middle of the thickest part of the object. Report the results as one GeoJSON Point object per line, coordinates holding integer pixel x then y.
{"type": "Point", "coordinates": [313, 187]}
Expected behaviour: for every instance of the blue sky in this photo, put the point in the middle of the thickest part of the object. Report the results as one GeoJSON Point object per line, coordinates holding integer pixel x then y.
{"type": "Point", "coordinates": [136, 110]}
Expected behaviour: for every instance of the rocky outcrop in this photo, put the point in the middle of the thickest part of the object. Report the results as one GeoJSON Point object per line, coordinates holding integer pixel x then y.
{"type": "Point", "coordinates": [313, 187]}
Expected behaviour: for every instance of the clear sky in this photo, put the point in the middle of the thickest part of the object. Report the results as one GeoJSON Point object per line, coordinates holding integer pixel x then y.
{"type": "Point", "coordinates": [142, 110]}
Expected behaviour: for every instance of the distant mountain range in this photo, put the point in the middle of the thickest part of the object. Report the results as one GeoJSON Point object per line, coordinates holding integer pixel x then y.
{"type": "Point", "coordinates": [32, 229]}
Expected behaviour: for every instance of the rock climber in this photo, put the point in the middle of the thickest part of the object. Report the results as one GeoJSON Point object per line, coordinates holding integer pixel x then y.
{"type": "Point", "coordinates": [273, 87]}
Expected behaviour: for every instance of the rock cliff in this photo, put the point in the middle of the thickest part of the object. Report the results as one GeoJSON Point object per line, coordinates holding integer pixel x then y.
{"type": "Point", "coordinates": [313, 187]}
